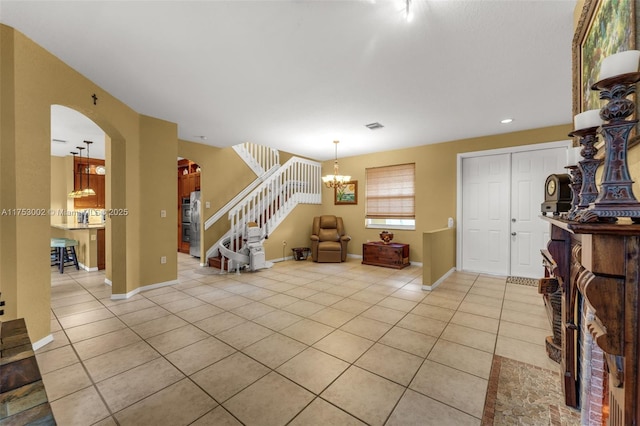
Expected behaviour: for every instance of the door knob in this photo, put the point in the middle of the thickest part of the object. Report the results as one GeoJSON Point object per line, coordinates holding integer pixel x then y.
{"type": "Point", "coordinates": [513, 219]}
{"type": "Point", "coordinates": [513, 234]}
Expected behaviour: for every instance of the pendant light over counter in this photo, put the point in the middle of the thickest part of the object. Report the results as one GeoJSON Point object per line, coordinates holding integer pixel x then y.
{"type": "Point", "coordinates": [74, 193]}
{"type": "Point", "coordinates": [88, 191]}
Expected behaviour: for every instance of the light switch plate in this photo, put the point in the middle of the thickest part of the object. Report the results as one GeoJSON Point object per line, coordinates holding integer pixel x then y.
{"type": "Point", "coordinates": [163, 213]}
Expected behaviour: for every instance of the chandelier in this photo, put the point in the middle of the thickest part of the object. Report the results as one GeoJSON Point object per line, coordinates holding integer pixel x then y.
{"type": "Point", "coordinates": [336, 180]}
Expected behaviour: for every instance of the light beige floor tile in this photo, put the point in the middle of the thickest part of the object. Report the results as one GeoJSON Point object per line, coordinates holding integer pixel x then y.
{"type": "Point", "coordinates": [536, 309]}
{"type": "Point", "coordinates": [67, 410]}
{"type": "Point", "coordinates": [345, 346]}
{"type": "Point", "coordinates": [342, 290]}
{"type": "Point", "coordinates": [232, 302]}
{"type": "Point", "coordinates": [131, 386]}
{"type": "Point", "coordinates": [307, 331]}
{"type": "Point", "coordinates": [217, 417]}
{"type": "Point", "coordinates": [414, 296]}
{"type": "Point", "coordinates": [524, 332]}
{"type": "Point", "coordinates": [277, 320]}
{"type": "Point", "coordinates": [481, 310]}
{"type": "Point", "coordinates": [442, 302]}
{"type": "Point", "coordinates": [215, 295]}
{"type": "Point", "coordinates": [366, 327]}
{"type": "Point", "coordinates": [368, 397]}
{"type": "Point", "coordinates": [86, 331]}
{"type": "Point", "coordinates": [301, 292]}
{"type": "Point", "coordinates": [533, 320]}
{"type": "Point", "coordinates": [272, 400]}
{"type": "Point", "coordinates": [59, 340]}
{"type": "Point", "coordinates": [332, 317]}
{"type": "Point", "coordinates": [321, 413]}
{"type": "Point", "coordinates": [160, 408]}
{"type": "Point", "coordinates": [386, 315]}
{"type": "Point", "coordinates": [446, 293]}
{"type": "Point", "coordinates": [462, 335]}
{"type": "Point", "coordinates": [109, 421]}
{"type": "Point", "coordinates": [85, 318]}
{"type": "Point", "coordinates": [274, 350]}
{"type": "Point", "coordinates": [477, 322]}
{"type": "Point", "coordinates": [111, 363]}
{"type": "Point", "coordinates": [398, 304]}
{"type": "Point", "coordinates": [219, 323]}
{"type": "Point", "coordinates": [417, 409]}
{"type": "Point", "coordinates": [78, 308]}
{"type": "Point", "coordinates": [65, 381]}
{"type": "Point", "coordinates": [177, 306]}
{"type": "Point", "coordinates": [462, 357]}
{"type": "Point", "coordinates": [253, 310]}
{"type": "Point", "coordinates": [199, 313]}
{"type": "Point", "coordinates": [481, 299]}
{"type": "Point", "coordinates": [452, 387]}
{"type": "Point", "coordinates": [424, 325]}
{"type": "Point", "coordinates": [304, 308]}
{"type": "Point", "coordinates": [352, 306]}
{"type": "Point", "coordinates": [227, 377]}
{"type": "Point", "coordinates": [158, 326]}
{"type": "Point", "coordinates": [368, 296]}
{"type": "Point", "coordinates": [280, 300]}
{"type": "Point", "coordinates": [199, 355]}
{"type": "Point", "coordinates": [55, 359]}
{"type": "Point", "coordinates": [325, 299]}
{"type": "Point", "coordinates": [409, 341]}
{"type": "Point", "coordinates": [313, 369]}
{"type": "Point", "coordinates": [121, 307]}
{"type": "Point", "coordinates": [530, 298]}
{"type": "Point", "coordinates": [66, 301]}
{"type": "Point", "coordinates": [176, 339]}
{"type": "Point", "coordinates": [525, 352]}
{"type": "Point", "coordinates": [144, 315]}
{"type": "Point", "coordinates": [390, 363]}
{"type": "Point", "coordinates": [244, 334]}
{"type": "Point", "coordinates": [105, 343]}
{"type": "Point", "coordinates": [435, 312]}
{"type": "Point", "coordinates": [496, 294]}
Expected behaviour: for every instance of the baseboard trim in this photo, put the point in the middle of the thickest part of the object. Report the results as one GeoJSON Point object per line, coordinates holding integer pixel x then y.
{"type": "Point", "coordinates": [439, 281]}
{"type": "Point", "coordinates": [87, 268]}
{"type": "Point", "coordinates": [44, 341]}
{"type": "Point", "coordinates": [108, 282]}
{"type": "Point", "coordinates": [141, 289]}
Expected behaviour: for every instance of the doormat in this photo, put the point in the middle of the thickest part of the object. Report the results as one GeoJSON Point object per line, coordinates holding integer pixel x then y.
{"type": "Point", "coordinates": [523, 281]}
{"type": "Point", "coordinates": [520, 393]}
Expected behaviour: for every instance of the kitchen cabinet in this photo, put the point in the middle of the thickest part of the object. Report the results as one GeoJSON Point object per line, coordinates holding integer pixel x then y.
{"type": "Point", "coordinates": [101, 249]}
{"type": "Point", "coordinates": [188, 181]}
{"type": "Point", "coordinates": [391, 255]}
{"type": "Point", "coordinates": [86, 176]}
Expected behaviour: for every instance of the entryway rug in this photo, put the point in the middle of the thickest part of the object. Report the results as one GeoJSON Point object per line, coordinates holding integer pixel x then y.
{"type": "Point", "coordinates": [523, 394]}
{"type": "Point", "coordinates": [522, 281]}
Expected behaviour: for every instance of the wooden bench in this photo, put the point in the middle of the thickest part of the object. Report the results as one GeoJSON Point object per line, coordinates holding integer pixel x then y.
{"type": "Point", "coordinates": [23, 399]}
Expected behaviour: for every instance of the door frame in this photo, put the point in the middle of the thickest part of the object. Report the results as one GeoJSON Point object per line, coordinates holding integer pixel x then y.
{"type": "Point", "coordinates": [509, 150]}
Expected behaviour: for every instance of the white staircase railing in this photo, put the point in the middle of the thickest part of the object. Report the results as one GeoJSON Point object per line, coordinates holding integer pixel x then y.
{"type": "Point", "coordinates": [259, 158]}
{"type": "Point", "coordinates": [296, 182]}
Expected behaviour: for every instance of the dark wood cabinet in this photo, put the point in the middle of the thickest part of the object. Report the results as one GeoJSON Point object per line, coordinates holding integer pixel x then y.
{"type": "Point", "coordinates": [101, 249]}
{"type": "Point", "coordinates": [87, 176]}
{"type": "Point", "coordinates": [392, 255]}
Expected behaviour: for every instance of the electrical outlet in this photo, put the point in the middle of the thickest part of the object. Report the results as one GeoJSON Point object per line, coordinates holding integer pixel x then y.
{"type": "Point", "coordinates": [93, 237]}
{"type": "Point", "coordinates": [207, 204]}
{"type": "Point", "coordinates": [163, 259]}
{"type": "Point", "coordinates": [284, 242]}
{"type": "Point", "coordinates": [163, 213]}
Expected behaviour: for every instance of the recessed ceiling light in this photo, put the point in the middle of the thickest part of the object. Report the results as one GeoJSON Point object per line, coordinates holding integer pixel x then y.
{"type": "Point", "coordinates": [374, 126]}
{"type": "Point", "coordinates": [506, 120]}
{"type": "Point", "coordinates": [202, 137]}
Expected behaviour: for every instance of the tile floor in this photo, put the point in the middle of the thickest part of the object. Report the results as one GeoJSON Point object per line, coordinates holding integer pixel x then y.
{"type": "Point", "coordinates": [299, 344]}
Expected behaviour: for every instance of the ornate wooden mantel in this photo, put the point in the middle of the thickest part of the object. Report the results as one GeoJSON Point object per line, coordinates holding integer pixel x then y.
{"type": "Point", "coordinates": [601, 261]}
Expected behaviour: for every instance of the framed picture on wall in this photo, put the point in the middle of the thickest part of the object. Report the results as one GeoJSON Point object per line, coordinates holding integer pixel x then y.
{"type": "Point", "coordinates": [348, 194]}
{"type": "Point", "coordinates": [605, 27]}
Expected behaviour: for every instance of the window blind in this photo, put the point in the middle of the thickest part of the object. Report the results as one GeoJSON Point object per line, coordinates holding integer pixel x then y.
{"type": "Point", "coordinates": [390, 192]}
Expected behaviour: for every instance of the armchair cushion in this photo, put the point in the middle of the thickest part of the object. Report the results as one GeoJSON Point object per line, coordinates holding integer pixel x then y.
{"type": "Point", "coordinates": [328, 239]}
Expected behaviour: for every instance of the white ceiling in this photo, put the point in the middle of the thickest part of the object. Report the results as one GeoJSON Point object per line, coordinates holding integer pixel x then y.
{"type": "Point", "coordinates": [298, 74]}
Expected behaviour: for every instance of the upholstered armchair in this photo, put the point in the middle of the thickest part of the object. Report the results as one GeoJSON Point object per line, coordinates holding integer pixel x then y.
{"type": "Point", "coordinates": [328, 239]}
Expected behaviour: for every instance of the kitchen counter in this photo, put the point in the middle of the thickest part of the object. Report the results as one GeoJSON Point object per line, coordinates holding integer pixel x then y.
{"type": "Point", "coordinates": [77, 226]}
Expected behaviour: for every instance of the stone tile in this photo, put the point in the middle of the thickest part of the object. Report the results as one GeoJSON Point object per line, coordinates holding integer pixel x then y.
{"type": "Point", "coordinates": [219, 323]}
{"type": "Point", "coordinates": [366, 327]}
{"type": "Point", "coordinates": [139, 317]}
{"type": "Point", "coordinates": [528, 334]}
{"type": "Point", "coordinates": [56, 359]}
{"type": "Point", "coordinates": [78, 308]}
{"type": "Point", "coordinates": [532, 320]}
{"type": "Point", "coordinates": [304, 308]}
{"type": "Point", "coordinates": [272, 400]}
{"type": "Point", "coordinates": [176, 339]}
{"type": "Point", "coordinates": [417, 409]}
{"type": "Point", "coordinates": [307, 331]}
{"type": "Point", "coordinates": [398, 304]}
{"type": "Point", "coordinates": [390, 363]}
{"type": "Point", "coordinates": [321, 413]}
{"type": "Point", "coordinates": [368, 397]}
{"type": "Point", "coordinates": [435, 299]}
{"type": "Point", "coordinates": [463, 358]}
{"type": "Point", "coordinates": [274, 350]}
{"type": "Point", "coordinates": [158, 326]}
{"type": "Point", "coordinates": [199, 355]}
{"type": "Point", "coordinates": [345, 346]}
{"type": "Point", "coordinates": [65, 381]}
{"type": "Point", "coordinates": [160, 408]}
{"type": "Point", "coordinates": [525, 352]}
{"type": "Point", "coordinates": [332, 317]}
{"type": "Point", "coordinates": [477, 322]}
{"type": "Point", "coordinates": [253, 310]}
{"type": "Point", "coordinates": [452, 387]}
{"type": "Point", "coordinates": [217, 417]}
{"type": "Point", "coordinates": [470, 337]}
{"type": "Point", "coordinates": [199, 313]}
{"type": "Point", "coordinates": [481, 310]}
{"type": "Point", "coordinates": [380, 313]}
{"type": "Point", "coordinates": [85, 317]}
{"type": "Point", "coordinates": [244, 334]}
{"type": "Point", "coordinates": [352, 306]}
{"type": "Point", "coordinates": [435, 312]}
{"type": "Point", "coordinates": [277, 320]}
{"type": "Point", "coordinates": [111, 363]}
{"type": "Point", "coordinates": [105, 343]}
{"type": "Point", "coordinates": [326, 299]}
{"type": "Point", "coordinates": [313, 369]}
{"type": "Point", "coordinates": [176, 306]}
{"type": "Point", "coordinates": [409, 341]}
{"type": "Point", "coordinates": [280, 300]}
{"type": "Point", "coordinates": [66, 412]}
{"type": "Point", "coordinates": [429, 326]}
{"type": "Point", "coordinates": [121, 307]}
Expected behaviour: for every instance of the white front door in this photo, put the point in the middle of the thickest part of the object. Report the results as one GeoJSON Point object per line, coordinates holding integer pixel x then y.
{"type": "Point", "coordinates": [529, 234]}
{"type": "Point", "coordinates": [485, 220]}
{"type": "Point", "coordinates": [500, 229]}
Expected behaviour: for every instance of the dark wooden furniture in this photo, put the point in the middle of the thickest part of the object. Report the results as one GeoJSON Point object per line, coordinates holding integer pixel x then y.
{"type": "Point", "coordinates": [391, 255]}
{"type": "Point", "coordinates": [601, 262]}
{"type": "Point", "coordinates": [23, 399]}
{"type": "Point", "coordinates": [87, 175]}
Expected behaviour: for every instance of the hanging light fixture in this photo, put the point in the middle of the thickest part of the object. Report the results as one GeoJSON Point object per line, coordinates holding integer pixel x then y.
{"type": "Point", "coordinates": [74, 193]}
{"type": "Point", "coordinates": [88, 191]}
{"type": "Point", "coordinates": [336, 180]}
{"type": "Point", "coordinates": [80, 191]}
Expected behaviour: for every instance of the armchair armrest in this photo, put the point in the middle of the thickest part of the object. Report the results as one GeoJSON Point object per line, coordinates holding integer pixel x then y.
{"type": "Point", "coordinates": [345, 238]}
{"type": "Point", "coordinates": [315, 238]}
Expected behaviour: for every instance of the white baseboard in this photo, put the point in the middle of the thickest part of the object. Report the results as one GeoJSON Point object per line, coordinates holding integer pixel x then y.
{"type": "Point", "coordinates": [44, 341]}
{"type": "Point", "coordinates": [439, 281]}
{"type": "Point", "coordinates": [87, 268]}
{"type": "Point", "coordinates": [143, 288]}
{"type": "Point", "coordinates": [107, 281]}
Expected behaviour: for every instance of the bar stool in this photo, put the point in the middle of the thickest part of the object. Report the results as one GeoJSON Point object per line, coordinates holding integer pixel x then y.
{"type": "Point", "coordinates": [63, 253]}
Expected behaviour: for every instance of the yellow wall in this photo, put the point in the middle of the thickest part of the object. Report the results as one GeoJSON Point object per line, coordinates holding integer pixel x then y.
{"type": "Point", "coordinates": [31, 80]}
{"type": "Point", "coordinates": [439, 247]}
{"type": "Point", "coordinates": [435, 183]}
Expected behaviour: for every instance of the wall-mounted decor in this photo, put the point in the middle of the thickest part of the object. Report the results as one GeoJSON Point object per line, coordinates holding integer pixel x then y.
{"type": "Point", "coordinates": [347, 194]}
{"type": "Point", "coordinates": [605, 27]}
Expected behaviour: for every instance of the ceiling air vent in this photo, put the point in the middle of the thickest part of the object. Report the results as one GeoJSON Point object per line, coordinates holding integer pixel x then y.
{"type": "Point", "coordinates": [374, 126]}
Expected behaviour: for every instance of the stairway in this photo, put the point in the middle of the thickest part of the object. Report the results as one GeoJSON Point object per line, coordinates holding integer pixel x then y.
{"type": "Point", "coordinates": [268, 204]}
